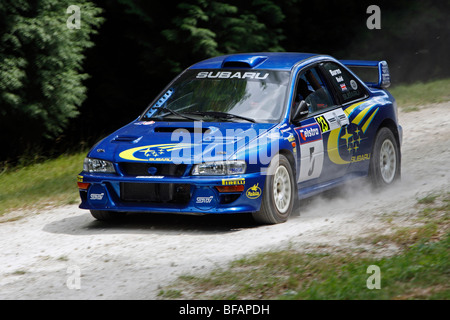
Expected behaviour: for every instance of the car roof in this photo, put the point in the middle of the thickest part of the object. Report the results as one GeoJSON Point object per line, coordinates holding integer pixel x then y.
{"type": "Point", "coordinates": [261, 60]}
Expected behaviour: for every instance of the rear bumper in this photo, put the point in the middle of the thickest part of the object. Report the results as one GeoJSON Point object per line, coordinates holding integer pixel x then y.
{"type": "Point", "coordinates": [184, 195]}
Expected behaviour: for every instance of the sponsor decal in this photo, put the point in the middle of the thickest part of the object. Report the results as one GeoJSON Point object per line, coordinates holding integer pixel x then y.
{"type": "Point", "coordinates": [361, 157]}
{"type": "Point", "coordinates": [353, 84]}
{"type": "Point", "coordinates": [309, 133]}
{"type": "Point", "coordinates": [231, 182]}
{"type": "Point", "coordinates": [96, 196]}
{"type": "Point", "coordinates": [232, 75]}
{"type": "Point", "coordinates": [350, 94]}
{"type": "Point", "coordinates": [163, 99]}
{"type": "Point", "coordinates": [311, 160]}
{"type": "Point", "coordinates": [156, 152]}
{"type": "Point", "coordinates": [324, 124]}
{"type": "Point", "coordinates": [253, 192]}
{"type": "Point", "coordinates": [332, 120]}
{"type": "Point", "coordinates": [335, 72]}
{"type": "Point", "coordinates": [204, 199]}
{"type": "Point", "coordinates": [343, 87]}
{"type": "Point", "coordinates": [290, 138]}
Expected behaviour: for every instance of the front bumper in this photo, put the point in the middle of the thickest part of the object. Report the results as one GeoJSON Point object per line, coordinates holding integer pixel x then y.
{"type": "Point", "coordinates": [185, 194]}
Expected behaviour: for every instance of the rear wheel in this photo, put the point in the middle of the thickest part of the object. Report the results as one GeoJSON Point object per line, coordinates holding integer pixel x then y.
{"type": "Point", "coordinates": [107, 215]}
{"type": "Point", "coordinates": [385, 160]}
{"type": "Point", "coordinates": [279, 193]}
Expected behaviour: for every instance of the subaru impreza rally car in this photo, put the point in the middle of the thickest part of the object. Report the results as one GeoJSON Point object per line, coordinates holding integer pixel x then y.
{"type": "Point", "coordinates": [248, 133]}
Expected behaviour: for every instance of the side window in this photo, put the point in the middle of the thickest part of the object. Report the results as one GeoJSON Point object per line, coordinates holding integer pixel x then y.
{"type": "Point", "coordinates": [344, 83]}
{"type": "Point", "coordinates": [311, 88]}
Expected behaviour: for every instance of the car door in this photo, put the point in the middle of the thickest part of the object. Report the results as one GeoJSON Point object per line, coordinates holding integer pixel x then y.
{"type": "Point", "coordinates": [351, 94]}
{"type": "Point", "coordinates": [319, 131]}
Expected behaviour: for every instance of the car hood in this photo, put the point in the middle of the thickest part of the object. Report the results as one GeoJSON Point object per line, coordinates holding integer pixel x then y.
{"type": "Point", "coordinates": [177, 142]}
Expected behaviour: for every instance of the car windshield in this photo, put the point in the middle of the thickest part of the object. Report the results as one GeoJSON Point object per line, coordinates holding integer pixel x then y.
{"type": "Point", "coordinates": [234, 95]}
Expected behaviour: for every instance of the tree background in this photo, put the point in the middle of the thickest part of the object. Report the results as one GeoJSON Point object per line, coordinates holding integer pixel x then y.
{"type": "Point", "coordinates": [62, 90]}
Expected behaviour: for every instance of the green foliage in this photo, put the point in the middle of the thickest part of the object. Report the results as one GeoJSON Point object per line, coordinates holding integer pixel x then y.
{"type": "Point", "coordinates": [57, 88]}
{"type": "Point", "coordinates": [41, 78]}
{"type": "Point", "coordinates": [201, 29]}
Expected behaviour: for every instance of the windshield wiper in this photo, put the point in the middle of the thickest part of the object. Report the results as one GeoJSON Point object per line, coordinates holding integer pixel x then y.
{"type": "Point", "coordinates": [223, 115]}
{"type": "Point", "coordinates": [175, 113]}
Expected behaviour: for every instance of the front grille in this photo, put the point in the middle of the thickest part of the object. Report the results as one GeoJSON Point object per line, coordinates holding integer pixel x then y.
{"type": "Point", "coordinates": [152, 169]}
{"type": "Point", "coordinates": [176, 193]}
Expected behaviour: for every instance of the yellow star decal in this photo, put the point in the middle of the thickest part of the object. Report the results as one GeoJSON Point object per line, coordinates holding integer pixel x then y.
{"type": "Point", "coordinates": [346, 136]}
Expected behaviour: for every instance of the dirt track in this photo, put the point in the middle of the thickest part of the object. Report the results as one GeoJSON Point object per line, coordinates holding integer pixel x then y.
{"type": "Point", "coordinates": [63, 253]}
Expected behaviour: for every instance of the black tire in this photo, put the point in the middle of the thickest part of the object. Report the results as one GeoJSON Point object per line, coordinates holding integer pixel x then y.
{"type": "Point", "coordinates": [385, 162]}
{"type": "Point", "coordinates": [107, 215]}
{"type": "Point", "coordinates": [278, 210]}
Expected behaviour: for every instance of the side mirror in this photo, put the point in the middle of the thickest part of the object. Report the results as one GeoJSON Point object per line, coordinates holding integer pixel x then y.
{"type": "Point", "coordinates": [301, 112]}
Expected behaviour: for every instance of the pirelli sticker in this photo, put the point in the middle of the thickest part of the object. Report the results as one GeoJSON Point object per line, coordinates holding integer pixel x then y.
{"type": "Point", "coordinates": [232, 182]}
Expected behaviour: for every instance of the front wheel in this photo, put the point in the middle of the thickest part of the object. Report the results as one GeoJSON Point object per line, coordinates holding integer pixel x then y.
{"type": "Point", "coordinates": [385, 161]}
{"type": "Point", "coordinates": [279, 193]}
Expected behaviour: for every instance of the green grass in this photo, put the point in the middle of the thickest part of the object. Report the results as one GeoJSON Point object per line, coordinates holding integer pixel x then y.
{"type": "Point", "coordinates": [411, 96]}
{"type": "Point", "coordinates": [52, 182]}
{"type": "Point", "coordinates": [420, 271]}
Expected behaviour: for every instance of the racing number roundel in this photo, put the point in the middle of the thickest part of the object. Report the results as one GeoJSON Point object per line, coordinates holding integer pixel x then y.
{"type": "Point", "coordinates": [311, 151]}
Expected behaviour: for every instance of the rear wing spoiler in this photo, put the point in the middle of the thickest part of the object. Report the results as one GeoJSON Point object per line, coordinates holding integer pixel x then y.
{"type": "Point", "coordinates": [374, 73]}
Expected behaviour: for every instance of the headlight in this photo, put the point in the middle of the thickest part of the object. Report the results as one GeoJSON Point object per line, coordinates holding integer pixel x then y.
{"type": "Point", "coordinates": [97, 165]}
{"type": "Point", "coordinates": [220, 168]}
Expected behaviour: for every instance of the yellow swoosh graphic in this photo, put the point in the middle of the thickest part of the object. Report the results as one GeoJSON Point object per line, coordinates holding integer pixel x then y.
{"type": "Point", "coordinates": [333, 147]}
{"type": "Point", "coordinates": [362, 114]}
{"type": "Point", "coordinates": [366, 125]}
{"type": "Point", "coordinates": [350, 109]}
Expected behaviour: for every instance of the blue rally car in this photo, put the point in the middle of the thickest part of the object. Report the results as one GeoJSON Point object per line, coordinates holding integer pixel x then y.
{"type": "Point", "coordinates": [248, 133]}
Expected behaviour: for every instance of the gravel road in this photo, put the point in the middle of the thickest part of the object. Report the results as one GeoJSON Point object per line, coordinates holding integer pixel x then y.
{"type": "Point", "coordinates": [63, 253]}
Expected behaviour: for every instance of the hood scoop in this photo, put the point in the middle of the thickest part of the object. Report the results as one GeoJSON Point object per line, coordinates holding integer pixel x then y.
{"type": "Point", "coordinates": [126, 138]}
{"type": "Point", "coordinates": [243, 61]}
